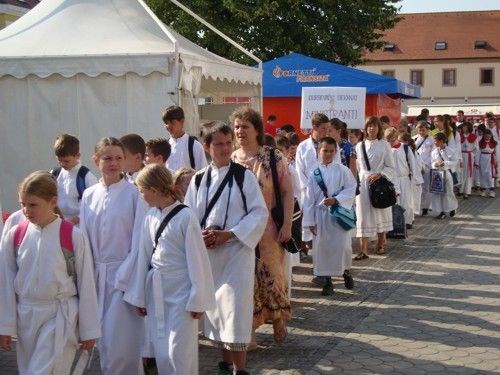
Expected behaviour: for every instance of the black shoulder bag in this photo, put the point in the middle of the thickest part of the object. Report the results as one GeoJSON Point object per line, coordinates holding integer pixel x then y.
{"type": "Point", "coordinates": [382, 192]}
{"type": "Point", "coordinates": [277, 212]}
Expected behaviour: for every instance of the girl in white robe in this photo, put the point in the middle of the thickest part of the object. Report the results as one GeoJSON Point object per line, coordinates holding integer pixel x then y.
{"type": "Point", "coordinates": [469, 158]}
{"type": "Point", "coordinates": [444, 157]}
{"type": "Point", "coordinates": [111, 216]}
{"type": "Point", "coordinates": [372, 221]}
{"type": "Point", "coordinates": [172, 282]}
{"type": "Point", "coordinates": [241, 216]}
{"type": "Point", "coordinates": [487, 164]}
{"type": "Point", "coordinates": [424, 144]}
{"type": "Point", "coordinates": [332, 243]}
{"type": "Point", "coordinates": [50, 308]}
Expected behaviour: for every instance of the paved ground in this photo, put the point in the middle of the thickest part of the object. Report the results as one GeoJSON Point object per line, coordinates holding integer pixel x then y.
{"type": "Point", "coordinates": [431, 305]}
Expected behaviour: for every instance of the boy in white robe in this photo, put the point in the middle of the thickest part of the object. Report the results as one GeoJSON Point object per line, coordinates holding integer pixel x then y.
{"type": "Point", "coordinates": [48, 301]}
{"type": "Point", "coordinates": [331, 243]}
{"type": "Point", "coordinates": [444, 157]}
{"type": "Point", "coordinates": [424, 144]}
{"type": "Point", "coordinates": [469, 158]}
{"type": "Point", "coordinates": [172, 283]}
{"type": "Point", "coordinates": [238, 220]}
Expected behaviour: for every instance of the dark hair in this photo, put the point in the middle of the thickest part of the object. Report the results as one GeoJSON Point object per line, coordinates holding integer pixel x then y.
{"type": "Point", "coordinates": [337, 124]}
{"type": "Point", "coordinates": [440, 137]}
{"type": "Point", "coordinates": [66, 145]}
{"type": "Point", "coordinates": [282, 141]}
{"type": "Point", "coordinates": [358, 133]}
{"type": "Point", "coordinates": [385, 119]}
{"type": "Point", "coordinates": [271, 118]}
{"type": "Point", "coordinates": [467, 125]}
{"type": "Point", "coordinates": [319, 118]}
{"type": "Point", "coordinates": [269, 140]}
{"type": "Point", "coordinates": [460, 111]}
{"type": "Point", "coordinates": [134, 144]}
{"type": "Point", "coordinates": [293, 138]}
{"type": "Point", "coordinates": [159, 146]}
{"type": "Point", "coordinates": [288, 128]}
{"type": "Point", "coordinates": [374, 120]}
{"type": "Point", "coordinates": [105, 142]}
{"type": "Point", "coordinates": [213, 127]}
{"type": "Point", "coordinates": [253, 117]}
{"type": "Point", "coordinates": [328, 141]}
{"type": "Point", "coordinates": [174, 112]}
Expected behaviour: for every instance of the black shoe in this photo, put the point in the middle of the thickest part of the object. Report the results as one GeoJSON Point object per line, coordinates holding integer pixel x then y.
{"type": "Point", "coordinates": [348, 280]}
{"type": "Point", "coordinates": [242, 372]}
{"type": "Point", "coordinates": [149, 365]}
{"type": "Point", "coordinates": [409, 226]}
{"type": "Point", "coordinates": [442, 215]}
{"type": "Point", "coordinates": [327, 289]}
{"type": "Point", "coordinates": [452, 213]}
{"type": "Point", "coordinates": [225, 368]}
{"type": "Point", "coordinates": [425, 211]}
{"type": "Point", "coordinates": [466, 196]}
{"type": "Point", "coordinates": [459, 194]}
{"type": "Point", "coordinates": [319, 280]}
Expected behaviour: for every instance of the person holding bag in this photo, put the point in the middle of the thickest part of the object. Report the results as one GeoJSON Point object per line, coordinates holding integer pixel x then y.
{"type": "Point", "coordinates": [331, 187]}
{"type": "Point", "coordinates": [375, 165]}
{"type": "Point", "coordinates": [271, 301]}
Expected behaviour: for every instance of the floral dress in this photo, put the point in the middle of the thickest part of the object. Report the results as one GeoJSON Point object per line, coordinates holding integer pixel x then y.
{"type": "Point", "coordinates": [271, 299]}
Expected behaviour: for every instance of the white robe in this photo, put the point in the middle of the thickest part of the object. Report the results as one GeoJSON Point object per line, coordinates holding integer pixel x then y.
{"type": "Point", "coordinates": [402, 182]}
{"type": "Point", "coordinates": [487, 167]}
{"type": "Point", "coordinates": [444, 202]}
{"type": "Point", "coordinates": [179, 282]}
{"type": "Point", "coordinates": [496, 136]}
{"type": "Point", "coordinates": [332, 244]}
{"type": "Point", "coordinates": [371, 220]}
{"type": "Point", "coordinates": [424, 152]}
{"type": "Point", "coordinates": [179, 156]}
{"type": "Point", "coordinates": [112, 218]}
{"type": "Point", "coordinates": [232, 263]}
{"type": "Point", "coordinates": [469, 157]}
{"type": "Point", "coordinates": [41, 303]}
{"type": "Point", "coordinates": [67, 193]}
{"type": "Point", "coordinates": [14, 219]}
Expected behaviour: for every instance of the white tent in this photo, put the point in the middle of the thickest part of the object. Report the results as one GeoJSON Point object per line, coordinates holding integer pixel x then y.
{"type": "Point", "coordinates": [97, 68]}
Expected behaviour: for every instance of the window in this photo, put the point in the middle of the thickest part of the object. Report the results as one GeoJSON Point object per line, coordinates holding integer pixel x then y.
{"type": "Point", "coordinates": [486, 76]}
{"type": "Point", "coordinates": [449, 77]}
{"type": "Point", "coordinates": [388, 73]}
{"type": "Point", "coordinates": [237, 100]}
{"type": "Point", "coordinates": [439, 46]}
{"type": "Point", "coordinates": [389, 47]}
{"type": "Point", "coordinates": [417, 77]}
{"type": "Point", "coordinates": [480, 44]}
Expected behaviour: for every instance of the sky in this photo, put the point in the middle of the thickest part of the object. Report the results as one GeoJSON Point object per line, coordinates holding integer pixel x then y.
{"type": "Point", "coordinates": [426, 6]}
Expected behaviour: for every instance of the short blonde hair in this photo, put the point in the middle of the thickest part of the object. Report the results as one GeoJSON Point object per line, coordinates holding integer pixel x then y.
{"type": "Point", "coordinates": [390, 133]}
{"type": "Point", "coordinates": [156, 176]}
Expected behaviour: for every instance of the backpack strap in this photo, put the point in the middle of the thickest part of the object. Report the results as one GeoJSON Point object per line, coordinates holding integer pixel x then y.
{"type": "Point", "coordinates": [218, 192]}
{"type": "Point", "coordinates": [19, 233]}
{"type": "Point", "coordinates": [55, 172]}
{"type": "Point", "coordinates": [197, 179]}
{"type": "Point", "coordinates": [80, 181]}
{"type": "Point", "coordinates": [319, 179]}
{"type": "Point", "coordinates": [239, 175]}
{"type": "Point", "coordinates": [165, 222]}
{"type": "Point", "coordinates": [405, 147]}
{"type": "Point", "coordinates": [365, 155]}
{"type": "Point", "coordinates": [66, 235]}
{"type": "Point", "coordinates": [191, 140]}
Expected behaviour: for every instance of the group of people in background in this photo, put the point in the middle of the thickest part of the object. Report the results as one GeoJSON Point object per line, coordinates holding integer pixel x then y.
{"type": "Point", "coordinates": [183, 234]}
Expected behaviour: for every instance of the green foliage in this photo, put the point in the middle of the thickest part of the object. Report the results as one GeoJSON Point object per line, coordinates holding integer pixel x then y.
{"type": "Point", "coordinates": [333, 30]}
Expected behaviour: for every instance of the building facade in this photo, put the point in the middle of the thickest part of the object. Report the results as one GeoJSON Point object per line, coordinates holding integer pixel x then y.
{"type": "Point", "coordinates": [453, 56]}
{"type": "Point", "coordinates": [11, 10]}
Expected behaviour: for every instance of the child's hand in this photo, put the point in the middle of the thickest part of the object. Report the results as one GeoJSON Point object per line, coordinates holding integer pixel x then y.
{"type": "Point", "coordinates": [141, 311]}
{"type": "Point", "coordinates": [330, 201]}
{"type": "Point", "coordinates": [75, 220]}
{"type": "Point", "coordinates": [87, 344]}
{"type": "Point", "coordinates": [196, 315]}
{"type": "Point", "coordinates": [6, 342]}
{"type": "Point", "coordinates": [313, 230]}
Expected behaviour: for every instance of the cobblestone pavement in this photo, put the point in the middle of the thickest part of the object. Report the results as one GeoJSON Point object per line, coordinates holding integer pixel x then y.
{"type": "Point", "coordinates": [430, 305]}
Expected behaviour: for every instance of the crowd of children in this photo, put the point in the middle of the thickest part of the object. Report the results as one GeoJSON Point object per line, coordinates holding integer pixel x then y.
{"type": "Point", "coordinates": [131, 262]}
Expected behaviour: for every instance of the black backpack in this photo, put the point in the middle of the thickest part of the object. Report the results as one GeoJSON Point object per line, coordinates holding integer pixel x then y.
{"type": "Point", "coordinates": [80, 178]}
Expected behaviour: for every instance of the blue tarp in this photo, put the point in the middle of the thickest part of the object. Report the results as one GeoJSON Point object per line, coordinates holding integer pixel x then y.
{"type": "Point", "coordinates": [285, 77]}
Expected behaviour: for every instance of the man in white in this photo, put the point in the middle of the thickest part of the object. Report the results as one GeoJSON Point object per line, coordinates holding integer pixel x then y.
{"type": "Point", "coordinates": [186, 151]}
{"type": "Point", "coordinates": [424, 144]}
{"type": "Point", "coordinates": [232, 229]}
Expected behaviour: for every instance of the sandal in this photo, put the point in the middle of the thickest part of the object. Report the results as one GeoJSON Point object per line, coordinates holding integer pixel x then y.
{"type": "Point", "coordinates": [280, 331]}
{"type": "Point", "coordinates": [380, 251]}
{"type": "Point", "coordinates": [361, 256]}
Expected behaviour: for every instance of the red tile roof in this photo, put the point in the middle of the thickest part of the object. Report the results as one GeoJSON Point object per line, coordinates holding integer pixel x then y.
{"type": "Point", "coordinates": [416, 34]}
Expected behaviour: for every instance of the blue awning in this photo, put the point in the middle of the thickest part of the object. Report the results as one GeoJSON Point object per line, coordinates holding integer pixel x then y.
{"type": "Point", "coordinates": [285, 76]}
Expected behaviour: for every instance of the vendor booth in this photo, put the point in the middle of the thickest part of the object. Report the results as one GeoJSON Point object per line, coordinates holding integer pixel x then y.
{"type": "Point", "coordinates": [284, 78]}
{"type": "Point", "coordinates": [96, 68]}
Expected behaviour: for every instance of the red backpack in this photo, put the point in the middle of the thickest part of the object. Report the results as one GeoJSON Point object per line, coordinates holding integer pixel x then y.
{"type": "Point", "coordinates": [65, 238]}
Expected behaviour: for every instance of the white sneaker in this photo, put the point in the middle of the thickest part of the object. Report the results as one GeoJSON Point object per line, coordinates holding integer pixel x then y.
{"type": "Point", "coordinates": [483, 193]}
{"type": "Point", "coordinates": [492, 193]}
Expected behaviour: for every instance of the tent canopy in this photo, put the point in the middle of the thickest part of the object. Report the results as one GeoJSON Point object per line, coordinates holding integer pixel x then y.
{"type": "Point", "coordinates": [285, 77]}
{"type": "Point", "coordinates": [92, 37]}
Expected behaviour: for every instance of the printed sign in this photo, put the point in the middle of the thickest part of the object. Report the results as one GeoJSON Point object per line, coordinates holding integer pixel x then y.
{"type": "Point", "coordinates": [344, 103]}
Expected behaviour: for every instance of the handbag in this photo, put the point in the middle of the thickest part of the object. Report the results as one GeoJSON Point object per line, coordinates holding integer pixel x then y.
{"type": "Point", "coordinates": [437, 183]}
{"type": "Point", "coordinates": [277, 212]}
{"type": "Point", "coordinates": [382, 192]}
{"type": "Point", "coordinates": [345, 217]}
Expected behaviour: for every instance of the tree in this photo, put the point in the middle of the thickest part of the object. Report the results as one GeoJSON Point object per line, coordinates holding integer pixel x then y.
{"type": "Point", "coordinates": [334, 30]}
